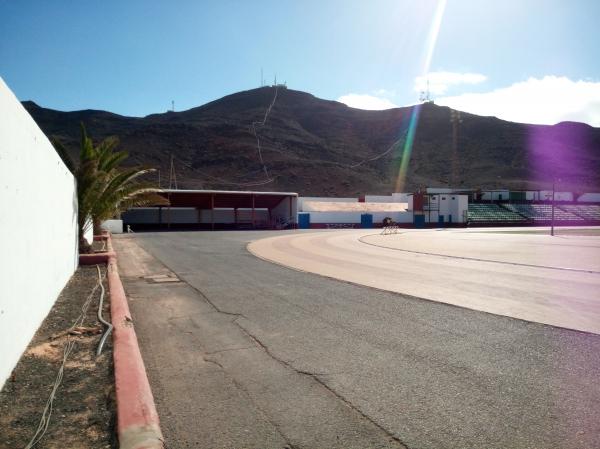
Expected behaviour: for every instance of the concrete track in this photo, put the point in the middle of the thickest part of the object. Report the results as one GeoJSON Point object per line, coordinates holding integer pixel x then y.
{"type": "Point", "coordinates": [243, 353]}
{"type": "Point", "coordinates": [551, 280]}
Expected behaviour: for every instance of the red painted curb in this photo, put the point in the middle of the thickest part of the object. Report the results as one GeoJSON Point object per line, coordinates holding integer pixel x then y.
{"type": "Point", "coordinates": [96, 258]}
{"type": "Point", "coordinates": [137, 420]}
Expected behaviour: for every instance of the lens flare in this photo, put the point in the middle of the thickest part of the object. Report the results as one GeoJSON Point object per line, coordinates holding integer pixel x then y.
{"type": "Point", "coordinates": [407, 148]}
{"type": "Point", "coordinates": [430, 42]}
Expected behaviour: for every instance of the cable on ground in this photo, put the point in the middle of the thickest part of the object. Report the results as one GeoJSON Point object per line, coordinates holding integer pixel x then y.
{"type": "Point", "coordinates": [69, 346]}
{"type": "Point", "coordinates": [107, 325]}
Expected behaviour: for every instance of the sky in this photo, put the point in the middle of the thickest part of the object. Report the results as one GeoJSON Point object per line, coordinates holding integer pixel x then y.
{"type": "Point", "coordinates": [535, 61]}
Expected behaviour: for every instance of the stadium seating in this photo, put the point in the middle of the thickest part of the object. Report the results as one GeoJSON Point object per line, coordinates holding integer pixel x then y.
{"type": "Point", "coordinates": [492, 213]}
{"type": "Point", "coordinates": [586, 212]}
{"type": "Point", "coordinates": [542, 212]}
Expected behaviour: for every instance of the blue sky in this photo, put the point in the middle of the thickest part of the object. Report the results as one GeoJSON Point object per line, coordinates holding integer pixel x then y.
{"type": "Point", "coordinates": [523, 60]}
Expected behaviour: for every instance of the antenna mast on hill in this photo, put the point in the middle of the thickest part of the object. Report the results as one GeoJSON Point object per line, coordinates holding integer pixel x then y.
{"type": "Point", "coordinates": [173, 105]}
{"type": "Point", "coordinates": [425, 97]}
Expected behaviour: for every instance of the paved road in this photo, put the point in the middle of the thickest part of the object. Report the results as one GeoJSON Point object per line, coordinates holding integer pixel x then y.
{"type": "Point", "coordinates": [248, 354]}
{"type": "Point", "coordinates": [550, 280]}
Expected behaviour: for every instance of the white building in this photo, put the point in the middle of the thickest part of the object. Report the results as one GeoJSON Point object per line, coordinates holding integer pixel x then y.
{"type": "Point", "coordinates": [446, 208]}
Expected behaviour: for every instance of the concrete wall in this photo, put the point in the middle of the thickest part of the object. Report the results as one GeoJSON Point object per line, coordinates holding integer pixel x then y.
{"type": "Point", "coordinates": [379, 199]}
{"type": "Point", "coordinates": [113, 226]}
{"type": "Point", "coordinates": [38, 237]}
{"type": "Point", "coordinates": [399, 197]}
{"type": "Point", "coordinates": [354, 217]}
{"type": "Point", "coordinates": [301, 200]}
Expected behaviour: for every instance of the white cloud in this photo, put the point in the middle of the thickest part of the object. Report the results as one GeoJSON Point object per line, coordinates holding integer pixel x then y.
{"type": "Point", "coordinates": [364, 101]}
{"type": "Point", "coordinates": [548, 100]}
{"type": "Point", "coordinates": [385, 92]}
{"type": "Point", "coordinates": [439, 82]}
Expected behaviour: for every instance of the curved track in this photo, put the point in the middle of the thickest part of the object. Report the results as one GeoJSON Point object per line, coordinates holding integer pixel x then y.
{"type": "Point", "coordinates": [550, 280]}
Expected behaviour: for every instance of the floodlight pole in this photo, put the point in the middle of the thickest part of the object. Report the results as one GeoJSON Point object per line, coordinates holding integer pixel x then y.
{"type": "Point", "coordinates": [552, 220]}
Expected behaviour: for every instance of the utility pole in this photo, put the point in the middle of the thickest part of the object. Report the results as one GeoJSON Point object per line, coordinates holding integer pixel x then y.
{"type": "Point", "coordinates": [172, 175]}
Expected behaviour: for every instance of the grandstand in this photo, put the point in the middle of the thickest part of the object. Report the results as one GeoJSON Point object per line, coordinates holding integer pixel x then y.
{"type": "Point", "coordinates": [543, 212]}
{"type": "Point", "coordinates": [588, 212]}
{"type": "Point", "coordinates": [493, 214]}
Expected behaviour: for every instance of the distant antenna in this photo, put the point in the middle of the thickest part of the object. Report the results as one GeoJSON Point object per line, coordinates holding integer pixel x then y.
{"type": "Point", "coordinates": [275, 83]}
{"type": "Point", "coordinates": [424, 97]}
{"type": "Point", "coordinates": [173, 105]}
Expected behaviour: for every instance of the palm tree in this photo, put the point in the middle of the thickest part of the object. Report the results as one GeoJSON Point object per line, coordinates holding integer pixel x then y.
{"type": "Point", "coordinates": [104, 189]}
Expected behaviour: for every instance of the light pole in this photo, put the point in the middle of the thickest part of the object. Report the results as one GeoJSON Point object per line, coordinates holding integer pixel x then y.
{"type": "Point", "coordinates": [456, 120]}
{"type": "Point", "coordinates": [554, 180]}
{"type": "Point", "coordinates": [552, 220]}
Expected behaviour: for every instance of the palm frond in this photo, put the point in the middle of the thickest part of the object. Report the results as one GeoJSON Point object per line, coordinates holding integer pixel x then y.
{"type": "Point", "coordinates": [103, 188]}
{"type": "Point", "coordinates": [63, 154]}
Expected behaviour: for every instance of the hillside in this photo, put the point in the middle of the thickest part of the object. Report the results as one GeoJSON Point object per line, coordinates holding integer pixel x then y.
{"type": "Point", "coordinates": [319, 147]}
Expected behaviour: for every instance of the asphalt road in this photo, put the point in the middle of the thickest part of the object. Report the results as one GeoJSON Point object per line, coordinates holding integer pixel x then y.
{"type": "Point", "coordinates": [244, 353]}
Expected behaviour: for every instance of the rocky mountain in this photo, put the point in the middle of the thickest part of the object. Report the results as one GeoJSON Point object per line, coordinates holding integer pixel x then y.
{"type": "Point", "coordinates": [325, 148]}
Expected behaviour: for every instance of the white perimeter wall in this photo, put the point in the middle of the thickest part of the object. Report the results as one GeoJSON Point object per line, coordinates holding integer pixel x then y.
{"type": "Point", "coordinates": [379, 199]}
{"type": "Point", "coordinates": [38, 238]}
{"type": "Point", "coordinates": [301, 200]}
{"type": "Point", "coordinates": [355, 217]}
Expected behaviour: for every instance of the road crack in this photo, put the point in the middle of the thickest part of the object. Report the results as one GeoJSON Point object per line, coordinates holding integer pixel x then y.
{"type": "Point", "coordinates": [227, 350]}
{"type": "Point", "coordinates": [239, 386]}
{"type": "Point", "coordinates": [212, 304]}
{"type": "Point", "coordinates": [316, 377]}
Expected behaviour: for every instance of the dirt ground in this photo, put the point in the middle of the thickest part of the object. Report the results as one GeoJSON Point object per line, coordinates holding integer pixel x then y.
{"type": "Point", "coordinates": [83, 413]}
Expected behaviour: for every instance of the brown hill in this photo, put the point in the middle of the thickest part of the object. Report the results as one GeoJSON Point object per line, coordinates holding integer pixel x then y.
{"type": "Point", "coordinates": [318, 147]}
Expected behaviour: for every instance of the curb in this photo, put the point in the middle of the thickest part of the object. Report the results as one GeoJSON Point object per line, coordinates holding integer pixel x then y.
{"type": "Point", "coordinates": [98, 258]}
{"type": "Point", "coordinates": [95, 259]}
{"type": "Point", "coordinates": [138, 424]}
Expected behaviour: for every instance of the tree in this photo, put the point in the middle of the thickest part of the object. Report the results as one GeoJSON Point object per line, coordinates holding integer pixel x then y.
{"type": "Point", "coordinates": [104, 188]}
